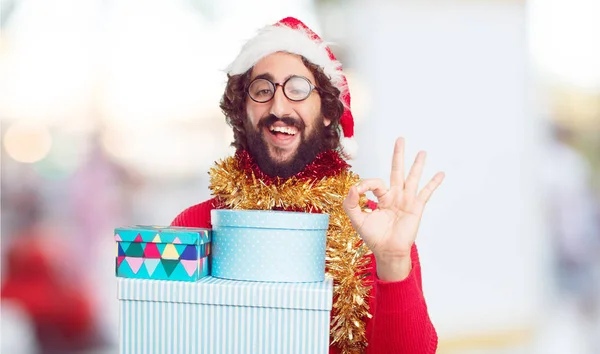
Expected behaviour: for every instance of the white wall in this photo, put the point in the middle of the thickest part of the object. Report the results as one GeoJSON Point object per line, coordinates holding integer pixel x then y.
{"type": "Point", "coordinates": [452, 78]}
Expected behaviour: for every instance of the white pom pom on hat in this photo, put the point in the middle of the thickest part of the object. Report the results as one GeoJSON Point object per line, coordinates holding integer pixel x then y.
{"type": "Point", "coordinates": [292, 36]}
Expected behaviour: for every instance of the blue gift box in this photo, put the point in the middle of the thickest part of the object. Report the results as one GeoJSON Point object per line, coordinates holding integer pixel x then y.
{"type": "Point", "coordinates": [214, 316]}
{"type": "Point", "coordinates": [165, 253]}
{"type": "Point", "coordinates": [269, 246]}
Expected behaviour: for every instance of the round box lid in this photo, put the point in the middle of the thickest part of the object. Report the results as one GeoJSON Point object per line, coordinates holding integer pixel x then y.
{"type": "Point", "coordinates": [269, 219]}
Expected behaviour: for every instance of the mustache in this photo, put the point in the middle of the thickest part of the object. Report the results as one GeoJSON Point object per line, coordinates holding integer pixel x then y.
{"type": "Point", "coordinates": [272, 119]}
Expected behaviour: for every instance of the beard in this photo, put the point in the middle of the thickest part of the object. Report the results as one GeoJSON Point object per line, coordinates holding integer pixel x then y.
{"type": "Point", "coordinates": [311, 144]}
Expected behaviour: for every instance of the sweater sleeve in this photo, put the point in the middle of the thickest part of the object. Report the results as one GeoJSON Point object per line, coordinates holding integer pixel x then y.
{"type": "Point", "coordinates": [400, 322]}
{"type": "Point", "coordinates": [197, 215]}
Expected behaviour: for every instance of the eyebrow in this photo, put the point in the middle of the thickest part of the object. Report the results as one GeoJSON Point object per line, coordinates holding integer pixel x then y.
{"type": "Point", "coordinates": [270, 77]}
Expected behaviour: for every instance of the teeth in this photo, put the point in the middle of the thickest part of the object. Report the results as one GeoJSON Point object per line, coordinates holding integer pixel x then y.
{"type": "Point", "coordinates": [286, 130]}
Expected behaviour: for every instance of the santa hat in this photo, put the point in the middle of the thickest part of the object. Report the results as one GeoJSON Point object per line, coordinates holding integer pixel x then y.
{"type": "Point", "coordinates": [292, 36]}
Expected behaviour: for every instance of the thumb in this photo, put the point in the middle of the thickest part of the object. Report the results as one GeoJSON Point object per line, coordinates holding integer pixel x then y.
{"type": "Point", "coordinates": [352, 207]}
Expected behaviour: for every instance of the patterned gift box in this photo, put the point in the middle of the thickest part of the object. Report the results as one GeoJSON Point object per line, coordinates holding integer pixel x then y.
{"type": "Point", "coordinates": [162, 253]}
{"type": "Point", "coordinates": [269, 246]}
{"type": "Point", "coordinates": [214, 316]}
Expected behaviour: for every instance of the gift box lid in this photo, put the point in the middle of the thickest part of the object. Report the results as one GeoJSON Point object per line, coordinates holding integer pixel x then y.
{"type": "Point", "coordinates": [162, 234]}
{"type": "Point", "coordinates": [269, 219]}
{"type": "Point", "coordinates": [214, 291]}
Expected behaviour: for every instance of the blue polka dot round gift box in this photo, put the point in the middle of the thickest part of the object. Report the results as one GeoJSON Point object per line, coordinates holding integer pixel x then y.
{"type": "Point", "coordinates": [269, 246]}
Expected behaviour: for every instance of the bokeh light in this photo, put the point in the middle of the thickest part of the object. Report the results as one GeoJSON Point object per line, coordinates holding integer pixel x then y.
{"type": "Point", "coordinates": [27, 142]}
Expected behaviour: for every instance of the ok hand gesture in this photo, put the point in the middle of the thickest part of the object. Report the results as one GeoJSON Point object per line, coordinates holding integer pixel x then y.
{"type": "Point", "coordinates": [390, 230]}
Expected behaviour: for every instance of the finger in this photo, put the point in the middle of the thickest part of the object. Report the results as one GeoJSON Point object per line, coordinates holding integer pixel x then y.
{"type": "Point", "coordinates": [428, 190]}
{"type": "Point", "coordinates": [375, 185]}
{"type": "Point", "coordinates": [397, 175]}
{"type": "Point", "coordinates": [414, 176]}
{"type": "Point", "coordinates": [352, 207]}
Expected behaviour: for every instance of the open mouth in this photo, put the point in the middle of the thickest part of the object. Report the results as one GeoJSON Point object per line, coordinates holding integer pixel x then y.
{"type": "Point", "coordinates": [282, 135]}
{"type": "Point", "coordinates": [283, 130]}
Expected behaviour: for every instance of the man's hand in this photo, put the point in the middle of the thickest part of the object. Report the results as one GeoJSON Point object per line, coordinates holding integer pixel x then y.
{"type": "Point", "coordinates": [391, 229]}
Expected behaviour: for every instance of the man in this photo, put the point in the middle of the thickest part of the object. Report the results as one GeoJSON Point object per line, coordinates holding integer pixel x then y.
{"type": "Point", "coordinates": [286, 99]}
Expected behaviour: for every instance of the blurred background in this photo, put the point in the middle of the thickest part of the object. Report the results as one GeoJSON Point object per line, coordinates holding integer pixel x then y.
{"type": "Point", "coordinates": [109, 116]}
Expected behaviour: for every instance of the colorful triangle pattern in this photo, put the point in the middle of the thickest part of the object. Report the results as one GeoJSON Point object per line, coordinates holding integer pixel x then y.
{"type": "Point", "coordinates": [120, 251]}
{"type": "Point", "coordinates": [162, 234]}
{"type": "Point", "coordinates": [134, 263]}
{"type": "Point", "coordinates": [172, 261]}
{"type": "Point", "coordinates": [169, 265]}
{"type": "Point", "coordinates": [151, 251]}
{"type": "Point", "coordinates": [170, 252]}
{"type": "Point", "coordinates": [190, 266]}
{"type": "Point", "coordinates": [135, 250]}
{"type": "Point", "coordinates": [151, 264]}
{"type": "Point", "coordinates": [180, 248]}
{"type": "Point", "coordinates": [189, 253]}
{"type": "Point", "coordinates": [161, 269]}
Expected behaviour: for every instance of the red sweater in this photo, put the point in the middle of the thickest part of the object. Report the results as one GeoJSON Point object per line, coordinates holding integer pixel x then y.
{"type": "Point", "coordinates": [400, 322]}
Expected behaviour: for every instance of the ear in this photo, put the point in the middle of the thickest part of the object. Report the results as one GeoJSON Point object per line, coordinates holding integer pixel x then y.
{"type": "Point", "coordinates": [326, 121]}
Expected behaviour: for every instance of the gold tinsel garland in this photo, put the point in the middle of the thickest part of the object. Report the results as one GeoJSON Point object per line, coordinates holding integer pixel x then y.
{"type": "Point", "coordinates": [345, 255]}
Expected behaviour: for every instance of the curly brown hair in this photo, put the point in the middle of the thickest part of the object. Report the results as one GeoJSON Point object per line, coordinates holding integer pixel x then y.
{"type": "Point", "coordinates": [233, 105]}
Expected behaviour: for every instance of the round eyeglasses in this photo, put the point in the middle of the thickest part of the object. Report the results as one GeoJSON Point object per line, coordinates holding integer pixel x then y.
{"type": "Point", "coordinates": [295, 88]}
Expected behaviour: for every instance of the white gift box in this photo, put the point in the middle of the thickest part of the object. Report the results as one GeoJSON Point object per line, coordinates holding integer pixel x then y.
{"type": "Point", "coordinates": [223, 316]}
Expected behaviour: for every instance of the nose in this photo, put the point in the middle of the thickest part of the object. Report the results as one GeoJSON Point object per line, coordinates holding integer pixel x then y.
{"type": "Point", "coordinates": [280, 105]}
